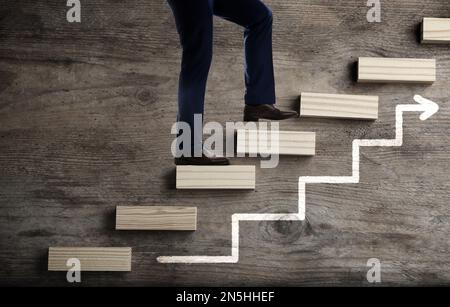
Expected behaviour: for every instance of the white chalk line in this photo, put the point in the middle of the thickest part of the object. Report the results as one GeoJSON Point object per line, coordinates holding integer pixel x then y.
{"type": "Point", "coordinates": [426, 106]}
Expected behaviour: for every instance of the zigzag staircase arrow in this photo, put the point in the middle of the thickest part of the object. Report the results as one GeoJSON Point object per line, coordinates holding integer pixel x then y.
{"type": "Point", "coordinates": [427, 107]}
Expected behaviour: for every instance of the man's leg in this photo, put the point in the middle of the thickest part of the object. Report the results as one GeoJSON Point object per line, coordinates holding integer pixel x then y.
{"type": "Point", "coordinates": [256, 18]}
{"type": "Point", "coordinates": [194, 20]}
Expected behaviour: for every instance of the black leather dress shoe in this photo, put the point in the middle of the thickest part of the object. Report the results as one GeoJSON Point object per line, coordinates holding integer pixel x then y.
{"type": "Point", "coordinates": [266, 111]}
{"type": "Point", "coordinates": [203, 160]}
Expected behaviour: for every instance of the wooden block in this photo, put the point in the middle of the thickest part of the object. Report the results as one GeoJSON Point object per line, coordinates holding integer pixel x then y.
{"type": "Point", "coordinates": [100, 259]}
{"type": "Point", "coordinates": [289, 142]}
{"type": "Point", "coordinates": [156, 218]}
{"type": "Point", "coordinates": [339, 106]}
{"type": "Point", "coordinates": [436, 31]}
{"type": "Point", "coordinates": [390, 70]}
{"type": "Point", "coordinates": [216, 177]}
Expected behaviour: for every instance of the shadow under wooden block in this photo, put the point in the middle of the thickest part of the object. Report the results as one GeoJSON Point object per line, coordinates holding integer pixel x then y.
{"type": "Point", "coordinates": [435, 31]}
{"type": "Point", "coordinates": [339, 106]}
{"type": "Point", "coordinates": [97, 259]}
{"type": "Point", "coordinates": [233, 177]}
{"type": "Point", "coordinates": [396, 70]}
{"type": "Point", "coordinates": [289, 143]}
{"type": "Point", "coordinates": [169, 182]}
{"type": "Point", "coordinates": [156, 218]}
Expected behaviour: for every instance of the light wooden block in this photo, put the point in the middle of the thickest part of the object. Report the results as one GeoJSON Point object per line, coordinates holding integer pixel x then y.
{"type": "Point", "coordinates": [339, 106]}
{"type": "Point", "coordinates": [216, 177]}
{"type": "Point", "coordinates": [156, 218]}
{"type": "Point", "coordinates": [391, 70]}
{"type": "Point", "coordinates": [100, 259]}
{"type": "Point", "coordinates": [289, 143]}
{"type": "Point", "coordinates": [436, 31]}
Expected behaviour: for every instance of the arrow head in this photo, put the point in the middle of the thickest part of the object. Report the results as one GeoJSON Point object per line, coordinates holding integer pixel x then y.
{"type": "Point", "coordinates": [429, 107]}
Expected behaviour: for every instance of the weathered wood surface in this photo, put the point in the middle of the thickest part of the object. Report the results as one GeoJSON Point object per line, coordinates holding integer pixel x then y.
{"type": "Point", "coordinates": [86, 111]}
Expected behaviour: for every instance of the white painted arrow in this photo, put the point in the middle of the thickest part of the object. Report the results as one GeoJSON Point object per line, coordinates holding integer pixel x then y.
{"type": "Point", "coordinates": [428, 109]}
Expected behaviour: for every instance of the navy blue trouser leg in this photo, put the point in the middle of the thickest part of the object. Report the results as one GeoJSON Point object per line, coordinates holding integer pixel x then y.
{"type": "Point", "coordinates": [194, 20]}
{"type": "Point", "coordinates": [256, 18]}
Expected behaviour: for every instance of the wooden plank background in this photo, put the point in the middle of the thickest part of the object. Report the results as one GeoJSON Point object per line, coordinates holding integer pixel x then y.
{"type": "Point", "coordinates": [85, 117]}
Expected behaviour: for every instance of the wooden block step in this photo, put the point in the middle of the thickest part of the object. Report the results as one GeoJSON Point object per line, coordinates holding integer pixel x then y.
{"type": "Point", "coordinates": [100, 259]}
{"type": "Point", "coordinates": [390, 70]}
{"type": "Point", "coordinates": [216, 177]}
{"type": "Point", "coordinates": [436, 31]}
{"type": "Point", "coordinates": [156, 218]}
{"type": "Point", "coordinates": [289, 142]}
{"type": "Point", "coordinates": [339, 106]}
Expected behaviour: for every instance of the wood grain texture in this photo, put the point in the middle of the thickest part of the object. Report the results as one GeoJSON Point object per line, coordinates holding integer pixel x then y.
{"type": "Point", "coordinates": [436, 30]}
{"type": "Point", "coordinates": [339, 106]}
{"type": "Point", "coordinates": [255, 142]}
{"type": "Point", "coordinates": [97, 259]}
{"type": "Point", "coordinates": [85, 117]}
{"type": "Point", "coordinates": [216, 177]}
{"type": "Point", "coordinates": [156, 218]}
{"type": "Point", "coordinates": [396, 70]}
